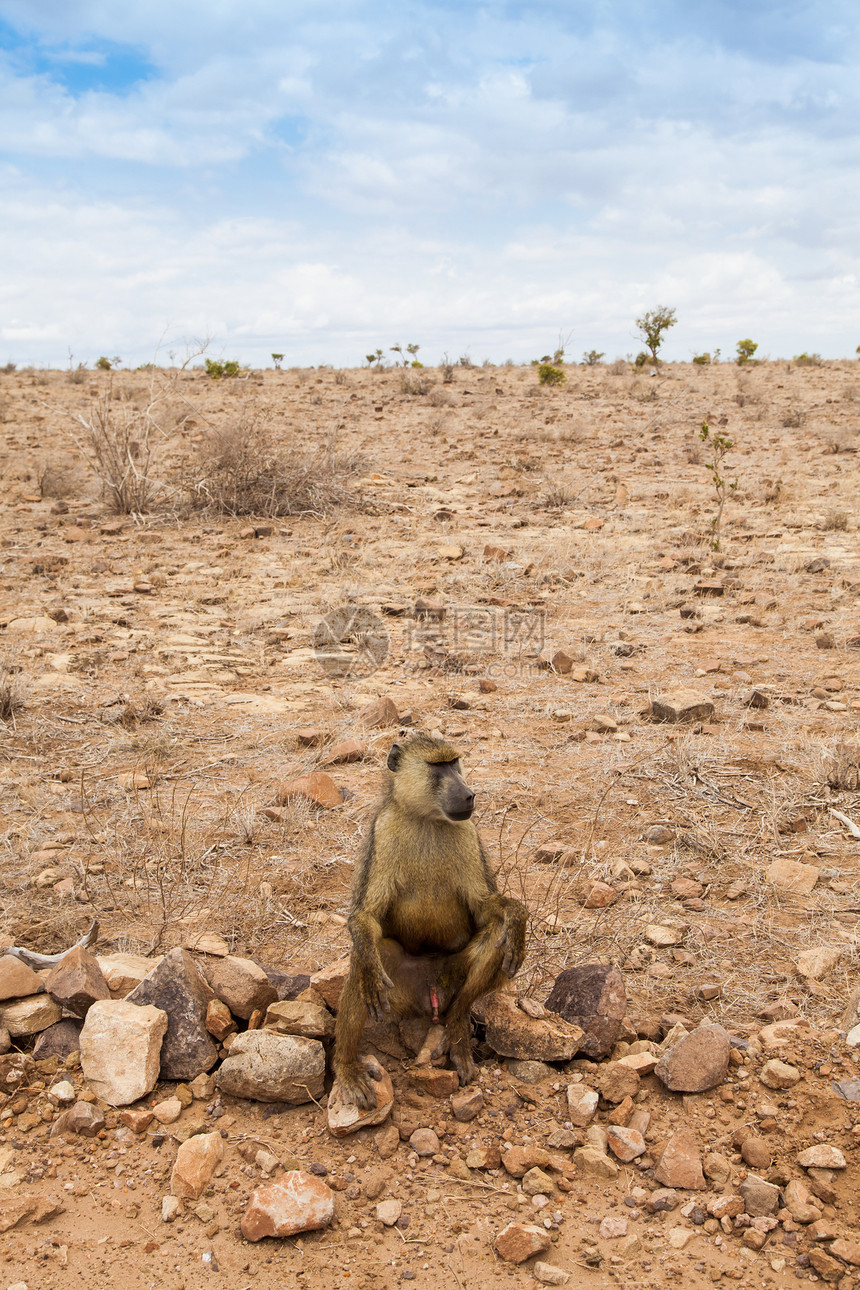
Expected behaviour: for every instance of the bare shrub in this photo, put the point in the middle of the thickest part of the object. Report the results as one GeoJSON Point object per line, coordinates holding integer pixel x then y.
{"type": "Point", "coordinates": [836, 520]}
{"type": "Point", "coordinates": [59, 477]}
{"type": "Point", "coordinates": [249, 469]}
{"type": "Point", "coordinates": [415, 383]}
{"type": "Point", "coordinates": [439, 398]}
{"type": "Point", "coordinates": [122, 444]}
{"type": "Point", "coordinates": [11, 698]}
{"type": "Point", "coordinates": [794, 419]}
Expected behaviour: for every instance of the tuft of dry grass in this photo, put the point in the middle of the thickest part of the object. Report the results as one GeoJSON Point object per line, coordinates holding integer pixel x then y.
{"type": "Point", "coordinates": [11, 698]}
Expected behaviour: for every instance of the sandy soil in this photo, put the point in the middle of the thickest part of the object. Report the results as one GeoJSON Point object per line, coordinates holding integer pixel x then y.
{"type": "Point", "coordinates": [164, 663]}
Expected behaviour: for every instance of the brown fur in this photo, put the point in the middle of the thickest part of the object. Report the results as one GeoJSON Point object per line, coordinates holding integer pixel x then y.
{"type": "Point", "coordinates": [429, 926]}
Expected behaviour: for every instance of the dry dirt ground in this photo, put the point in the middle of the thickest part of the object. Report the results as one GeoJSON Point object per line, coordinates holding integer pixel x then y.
{"type": "Point", "coordinates": [164, 663]}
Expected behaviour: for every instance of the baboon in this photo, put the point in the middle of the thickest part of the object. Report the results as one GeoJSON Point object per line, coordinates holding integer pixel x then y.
{"type": "Point", "coordinates": [431, 933]}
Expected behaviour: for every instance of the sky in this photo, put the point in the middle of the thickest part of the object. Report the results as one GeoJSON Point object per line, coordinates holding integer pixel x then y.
{"type": "Point", "coordinates": [320, 178]}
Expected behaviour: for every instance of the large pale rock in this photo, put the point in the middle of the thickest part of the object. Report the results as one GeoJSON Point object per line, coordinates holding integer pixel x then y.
{"type": "Point", "coordinates": [591, 997]}
{"type": "Point", "coordinates": [196, 1162]}
{"type": "Point", "coordinates": [817, 963]}
{"type": "Point", "coordinates": [16, 979]}
{"type": "Point", "coordinates": [77, 982]}
{"type": "Point", "coordinates": [273, 1068]}
{"type": "Point", "coordinates": [682, 705]}
{"type": "Point", "coordinates": [513, 1033]}
{"type": "Point", "coordinates": [698, 1062]}
{"type": "Point", "coordinates": [123, 972]}
{"type": "Point", "coordinates": [344, 1118]}
{"type": "Point", "coordinates": [821, 1156]}
{"type": "Point", "coordinates": [329, 982]}
{"type": "Point", "coordinates": [121, 1049]}
{"type": "Point", "coordinates": [615, 1082]}
{"type": "Point", "coordinates": [519, 1241]}
{"type": "Point", "coordinates": [28, 1208]}
{"type": "Point", "coordinates": [29, 1016]}
{"type": "Point", "coordinates": [241, 984]}
{"type": "Point", "coordinates": [297, 1202]}
{"type": "Point", "coordinates": [297, 1017]}
{"type": "Point", "coordinates": [777, 1074]}
{"type": "Point", "coordinates": [625, 1143]}
{"type": "Point", "coordinates": [680, 1165]}
{"type": "Point", "coordinates": [581, 1104]}
{"type": "Point", "coordinates": [792, 875]}
{"type": "Point", "coordinates": [177, 988]}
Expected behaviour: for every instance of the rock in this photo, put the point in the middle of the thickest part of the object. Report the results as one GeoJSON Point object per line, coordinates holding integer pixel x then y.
{"type": "Point", "coordinates": [82, 1118]}
{"type": "Point", "coordinates": [168, 1111]}
{"type": "Point", "coordinates": [318, 788]}
{"type": "Point", "coordinates": [615, 1082]}
{"type": "Point", "coordinates": [388, 1211]}
{"type": "Point", "coordinates": [202, 1087]}
{"type": "Point", "coordinates": [826, 1266]}
{"type": "Point", "coordinates": [792, 875]}
{"type": "Point", "coordinates": [349, 750]}
{"type": "Point", "coordinates": [177, 988]}
{"type": "Point", "coordinates": [16, 979]}
{"type": "Point", "coordinates": [591, 1160]}
{"type": "Point", "coordinates": [381, 712]}
{"type": "Point", "coordinates": [519, 1160]}
{"type": "Point", "coordinates": [16, 1069]}
{"type": "Point", "coordinates": [756, 1153]}
{"type": "Point", "coordinates": [171, 1208]}
{"type": "Point", "coordinates": [137, 1121]}
{"type": "Point", "coordinates": [273, 1068]}
{"type": "Point", "coordinates": [599, 896]}
{"type": "Point", "coordinates": [387, 1141]}
{"type": "Point", "coordinates": [682, 705]}
{"type": "Point", "coordinates": [760, 1198]}
{"type": "Point", "coordinates": [120, 1046]}
{"type": "Point", "coordinates": [659, 835]}
{"type": "Point", "coordinates": [537, 1183]}
{"type": "Point", "coordinates": [512, 1033]}
{"type": "Point", "coordinates": [851, 1015]}
{"type": "Point", "coordinates": [519, 1241]}
{"type": "Point", "coordinates": [725, 1206]}
{"type": "Point", "coordinates": [530, 1072]}
{"type": "Point", "coordinates": [241, 984]}
{"type": "Point", "coordinates": [219, 1020]}
{"type": "Point", "coordinates": [196, 1162]}
{"type": "Point", "coordinates": [202, 941]}
{"type": "Point", "coordinates": [484, 1157]}
{"type": "Point", "coordinates": [593, 998]}
{"type": "Point", "coordinates": [329, 982]}
{"type": "Point", "coordinates": [848, 1251]}
{"type": "Point", "coordinates": [612, 1227]}
{"type": "Point", "coordinates": [665, 935]}
{"type": "Point", "coordinates": [641, 1063]}
{"type": "Point", "coordinates": [697, 1063]}
{"type": "Point", "coordinates": [662, 1201]}
{"type": "Point", "coordinates": [798, 1202]}
{"type": "Point", "coordinates": [680, 1164]}
{"type": "Point", "coordinates": [466, 1104]}
{"type": "Point", "coordinates": [26, 1209]}
{"type": "Point", "coordinates": [297, 1202]}
{"type": "Point", "coordinates": [625, 1143]}
{"type": "Point", "coordinates": [424, 1142]}
{"type": "Point", "coordinates": [295, 1017]}
{"type": "Point", "coordinates": [124, 971]}
{"type": "Point", "coordinates": [344, 1118]}
{"type": "Point", "coordinates": [548, 1275]}
{"type": "Point", "coordinates": [581, 1104]}
{"type": "Point", "coordinates": [777, 1074]}
{"type": "Point", "coordinates": [821, 1156]}
{"type": "Point", "coordinates": [63, 1093]}
{"type": "Point", "coordinates": [77, 982]}
{"type": "Point", "coordinates": [28, 1016]}
{"type": "Point", "coordinates": [438, 1083]}
{"type": "Point", "coordinates": [817, 963]}
{"type": "Point", "coordinates": [60, 1040]}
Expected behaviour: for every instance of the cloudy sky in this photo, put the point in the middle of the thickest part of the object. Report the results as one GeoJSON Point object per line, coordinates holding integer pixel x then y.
{"type": "Point", "coordinates": [319, 177]}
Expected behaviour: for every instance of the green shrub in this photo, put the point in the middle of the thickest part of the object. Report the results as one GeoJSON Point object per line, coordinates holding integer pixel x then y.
{"type": "Point", "coordinates": [641, 358]}
{"type": "Point", "coordinates": [227, 368]}
{"type": "Point", "coordinates": [702, 359]}
{"type": "Point", "coordinates": [746, 349]}
{"type": "Point", "coordinates": [651, 327]}
{"type": "Point", "coordinates": [807, 360]}
{"type": "Point", "coordinates": [549, 375]}
{"type": "Point", "coordinates": [592, 357]}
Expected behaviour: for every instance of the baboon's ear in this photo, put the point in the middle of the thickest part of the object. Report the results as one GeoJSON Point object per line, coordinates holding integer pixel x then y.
{"type": "Point", "coordinates": [394, 757]}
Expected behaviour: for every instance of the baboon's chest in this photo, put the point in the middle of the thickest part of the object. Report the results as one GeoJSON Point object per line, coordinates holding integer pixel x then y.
{"type": "Point", "coordinates": [426, 922]}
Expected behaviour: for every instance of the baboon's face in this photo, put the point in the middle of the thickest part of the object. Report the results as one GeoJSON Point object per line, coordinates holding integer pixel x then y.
{"type": "Point", "coordinates": [456, 800]}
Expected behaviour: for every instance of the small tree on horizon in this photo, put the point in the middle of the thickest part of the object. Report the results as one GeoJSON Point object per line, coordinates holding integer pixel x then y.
{"type": "Point", "coordinates": [651, 327]}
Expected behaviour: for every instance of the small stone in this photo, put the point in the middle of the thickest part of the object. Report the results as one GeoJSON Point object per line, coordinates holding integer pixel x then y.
{"type": "Point", "coordinates": [798, 1202]}
{"type": "Point", "coordinates": [318, 788]}
{"type": "Point", "coordinates": [121, 1049]}
{"type": "Point", "coordinates": [530, 1072]}
{"type": "Point", "coordinates": [378, 714]}
{"type": "Point", "coordinates": [484, 1157]}
{"type": "Point", "coordinates": [581, 1104]}
{"type": "Point", "coordinates": [826, 1267]}
{"type": "Point", "coordinates": [424, 1142]}
{"type": "Point", "coordinates": [760, 1198]}
{"type": "Point", "coordinates": [615, 1082]}
{"type": "Point", "coordinates": [297, 1202]}
{"type": "Point", "coordinates": [519, 1241]}
{"type": "Point", "coordinates": [137, 1121]}
{"type": "Point", "coordinates": [537, 1183]}
{"type": "Point", "coordinates": [600, 896]}
{"type": "Point", "coordinates": [170, 1209]}
{"type": "Point", "coordinates": [792, 875]}
{"type": "Point", "coordinates": [848, 1251]}
{"type": "Point", "coordinates": [678, 1237]}
{"type": "Point", "coordinates": [664, 935]}
{"type": "Point", "coordinates": [756, 1153]}
{"type": "Point", "coordinates": [344, 1117]}
{"type": "Point", "coordinates": [241, 984]}
{"type": "Point", "coordinates": [548, 1275]}
{"type": "Point", "coordinates": [348, 750]}
{"type": "Point", "coordinates": [777, 1074]}
{"type": "Point", "coordinates": [466, 1104]}
{"type": "Point", "coordinates": [680, 1164]}
{"type": "Point", "coordinates": [389, 1211]}
{"type": "Point", "coordinates": [817, 963]}
{"type": "Point", "coordinates": [27, 1208]}
{"type": "Point", "coordinates": [662, 1201]}
{"type": "Point", "coordinates": [219, 1020]}
{"type": "Point", "coordinates": [821, 1156]}
{"type": "Point", "coordinates": [17, 979]}
{"type": "Point", "coordinates": [683, 705]}
{"type": "Point", "coordinates": [591, 1160]}
{"type": "Point", "coordinates": [438, 1083]}
{"type": "Point", "coordinates": [625, 1143]}
{"type": "Point", "coordinates": [612, 1227]}
{"type": "Point", "coordinates": [519, 1160]}
{"type": "Point", "coordinates": [168, 1111]}
{"type": "Point", "coordinates": [196, 1162]}
{"type": "Point", "coordinates": [659, 835]}
{"type": "Point", "coordinates": [699, 1062]}
{"type": "Point", "coordinates": [82, 1118]}
{"type": "Point", "coordinates": [268, 1067]}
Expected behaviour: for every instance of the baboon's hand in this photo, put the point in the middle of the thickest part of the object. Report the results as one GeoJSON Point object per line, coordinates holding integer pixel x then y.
{"type": "Point", "coordinates": [512, 941]}
{"type": "Point", "coordinates": [375, 984]}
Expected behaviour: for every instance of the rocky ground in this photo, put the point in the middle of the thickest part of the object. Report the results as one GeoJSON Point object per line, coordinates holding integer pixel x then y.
{"type": "Point", "coordinates": [540, 584]}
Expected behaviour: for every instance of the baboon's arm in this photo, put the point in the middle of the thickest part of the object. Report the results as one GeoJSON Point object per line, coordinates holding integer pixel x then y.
{"type": "Point", "coordinates": [374, 982]}
{"type": "Point", "coordinates": [489, 906]}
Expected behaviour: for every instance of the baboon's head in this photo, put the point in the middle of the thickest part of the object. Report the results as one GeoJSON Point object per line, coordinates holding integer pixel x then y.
{"type": "Point", "coordinates": [427, 780]}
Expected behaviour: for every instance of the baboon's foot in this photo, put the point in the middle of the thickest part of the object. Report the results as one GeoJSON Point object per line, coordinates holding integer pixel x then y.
{"type": "Point", "coordinates": [358, 1084]}
{"type": "Point", "coordinates": [460, 1053]}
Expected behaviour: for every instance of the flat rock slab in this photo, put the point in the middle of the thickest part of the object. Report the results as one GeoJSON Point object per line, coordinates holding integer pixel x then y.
{"type": "Point", "coordinates": [298, 1202]}
{"type": "Point", "coordinates": [26, 1209]}
{"type": "Point", "coordinates": [296, 1017]}
{"type": "Point", "coordinates": [344, 1118]}
{"type": "Point", "coordinates": [792, 875]}
{"type": "Point", "coordinates": [177, 988]}
{"type": "Point", "coordinates": [28, 1016]}
{"type": "Point", "coordinates": [682, 705]}
{"type": "Point", "coordinates": [512, 1033]}
{"type": "Point", "coordinates": [16, 979]}
{"type": "Point", "coordinates": [268, 1067]}
{"type": "Point", "coordinates": [700, 1061]}
{"type": "Point", "coordinates": [593, 998]}
{"type": "Point", "coordinates": [680, 1165]}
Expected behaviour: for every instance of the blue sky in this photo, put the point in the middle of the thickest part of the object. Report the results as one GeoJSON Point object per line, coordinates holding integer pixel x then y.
{"type": "Point", "coordinates": [322, 178]}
